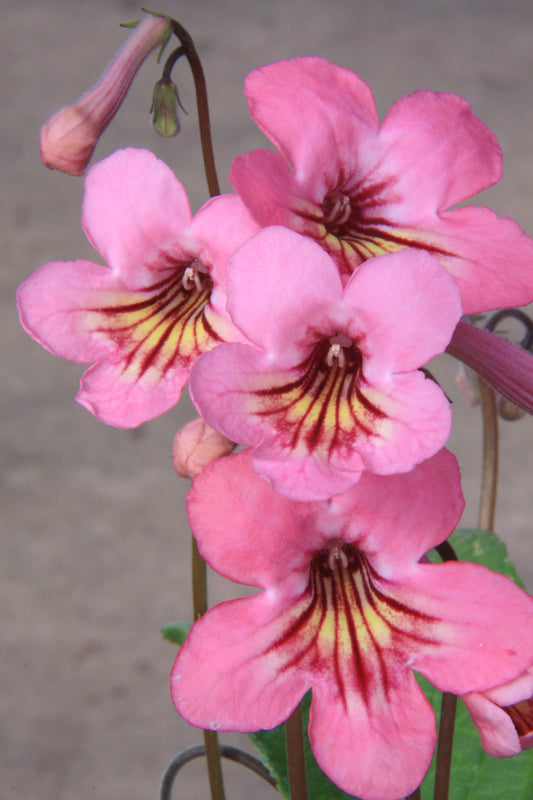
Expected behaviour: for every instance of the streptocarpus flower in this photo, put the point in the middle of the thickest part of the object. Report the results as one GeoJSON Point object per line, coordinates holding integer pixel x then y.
{"type": "Point", "coordinates": [361, 189]}
{"type": "Point", "coordinates": [69, 137]}
{"type": "Point", "coordinates": [195, 446]}
{"type": "Point", "coordinates": [330, 383]}
{"type": "Point", "coordinates": [145, 318]}
{"type": "Point", "coordinates": [348, 610]}
{"type": "Point", "coordinates": [504, 716]}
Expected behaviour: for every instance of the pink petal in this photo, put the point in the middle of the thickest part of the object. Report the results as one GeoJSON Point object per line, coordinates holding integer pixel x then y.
{"type": "Point", "coordinates": [497, 733]}
{"type": "Point", "coordinates": [280, 287]}
{"type": "Point", "coordinates": [416, 424]}
{"type": "Point", "coordinates": [406, 309]}
{"type": "Point", "coordinates": [331, 104]}
{"type": "Point", "coordinates": [485, 635]}
{"type": "Point", "coordinates": [380, 751]}
{"type": "Point", "coordinates": [502, 364]}
{"type": "Point", "coordinates": [126, 399]}
{"type": "Point", "coordinates": [490, 257]}
{"type": "Point", "coordinates": [53, 306]}
{"type": "Point", "coordinates": [225, 678]}
{"type": "Point", "coordinates": [395, 519]}
{"type": "Point", "coordinates": [136, 215]}
{"type": "Point", "coordinates": [271, 191]}
{"type": "Point", "coordinates": [439, 152]}
{"type": "Point", "coordinates": [243, 535]}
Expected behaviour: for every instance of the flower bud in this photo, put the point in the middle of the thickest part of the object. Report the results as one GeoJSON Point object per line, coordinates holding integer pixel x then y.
{"type": "Point", "coordinates": [69, 137]}
{"type": "Point", "coordinates": [195, 446]}
{"type": "Point", "coordinates": [164, 109]}
{"type": "Point", "coordinates": [509, 411]}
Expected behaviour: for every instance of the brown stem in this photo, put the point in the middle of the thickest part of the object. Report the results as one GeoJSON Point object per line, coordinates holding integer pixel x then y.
{"type": "Point", "coordinates": [489, 484]}
{"type": "Point", "coordinates": [296, 755]}
{"type": "Point", "coordinates": [445, 746]}
{"type": "Point", "coordinates": [415, 796]}
{"type": "Point", "coordinates": [199, 603]}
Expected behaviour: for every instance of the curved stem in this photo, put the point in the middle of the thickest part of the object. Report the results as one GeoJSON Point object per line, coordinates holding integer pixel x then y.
{"type": "Point", "coordinates": [489, 484]}
{"type": "Point", "coordinates": [189, 51]}
{"type": "Point", "coordinates": [231, 753]}
{"type": "Point", "coordinates": [296, 755]}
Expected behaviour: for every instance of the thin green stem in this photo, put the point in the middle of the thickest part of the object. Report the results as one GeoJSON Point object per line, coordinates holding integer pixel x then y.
{"type": "Point", "coordinates": [199, 602]}
{"type": "Point", "coordinates": [445, 746]}
{"type": "Point", "coordinates": [489, 484]}
{"type": "Point", "coordinates": [296, 755]}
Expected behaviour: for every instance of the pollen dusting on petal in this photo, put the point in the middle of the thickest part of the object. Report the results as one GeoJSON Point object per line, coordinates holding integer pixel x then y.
{"type": "Point", "coordinates": [159, 327]}
{"type": "Point", "coordinates": [324, 404]}
{"type": "Point", "coordinates": [347, 620]}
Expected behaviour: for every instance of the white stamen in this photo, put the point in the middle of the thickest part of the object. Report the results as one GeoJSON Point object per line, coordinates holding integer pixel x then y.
{"type": "Point", "coordinates": [188, 280]}
{"type": "Point", "coordinates": [336, 350]}
{"type": "Point", "coordinates": [337, 554]}
{"type": "Point", "coordinates": [339, 211]}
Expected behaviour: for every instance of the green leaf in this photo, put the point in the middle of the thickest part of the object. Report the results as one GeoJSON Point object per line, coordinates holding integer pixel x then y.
{"type": "Point", "coordinates": [475, 775]}
{"type": "Point", "coordinates": [176, 632]}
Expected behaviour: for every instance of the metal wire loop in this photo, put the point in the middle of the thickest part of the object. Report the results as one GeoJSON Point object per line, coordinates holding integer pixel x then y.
{"type": "Point", "coordinates": [226, 751]}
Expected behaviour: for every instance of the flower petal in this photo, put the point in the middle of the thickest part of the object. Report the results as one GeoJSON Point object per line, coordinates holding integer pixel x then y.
{"type": "Point", "coordinates": [331, 104]}
{"type": "Point", "coordinates": [379, 751]}
{"type": "Point", "coordinates": [280, 287]}
{"type": "Point", "coordinates": [406, 309]}
{"type": "Point", "coordinates": [243, 535]}
{"type": "Point", "coordinates": [224, 676]}
{"type": "Point", "coordinates": [485, 637]}
{"type": "Point", "coordinates": [136, 215]}
{"type": "Point", "coordinates": [439, 152]}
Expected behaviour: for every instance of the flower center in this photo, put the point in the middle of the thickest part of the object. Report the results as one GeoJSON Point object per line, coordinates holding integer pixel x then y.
{"type": "Point", "coordinates": [322, 402]}
{"type": "Point", "coordinates": [163, 325]}
{"type": "Point", "coordinates": [337, 210]}
{"type": "Point", "coordinates": [349, 619]}
{"type": "Point", "coordinates": [195, 276]}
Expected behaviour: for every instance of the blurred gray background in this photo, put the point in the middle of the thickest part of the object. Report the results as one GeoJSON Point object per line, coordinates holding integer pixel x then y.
{"type": "Point", "coordinates": [95, 548]}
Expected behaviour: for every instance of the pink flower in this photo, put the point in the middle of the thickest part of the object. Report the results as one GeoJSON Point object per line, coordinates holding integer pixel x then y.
{"type": "Point", "coordinates": [502, 364]}
{"type": "Point", "coordinates": [145, 318]}
{"type": "Point", "coordinates": [504, 716]}
{"type": "Point", "coordinates": [195, 446]}
{"type": "Point", "coordinates": [69, 137]}
{"type": "Point", "coordinates": [348, 610]}
{"type": "Point", "coordinates": [329, 385]}
{"type": "Point", "coordinates": [361, 189]}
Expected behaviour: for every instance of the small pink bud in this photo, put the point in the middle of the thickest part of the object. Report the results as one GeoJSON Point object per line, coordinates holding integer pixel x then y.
{"type": "Point", "coordinates": [195, 446]}
{"type": "Point", "coordinates": [70, 135]}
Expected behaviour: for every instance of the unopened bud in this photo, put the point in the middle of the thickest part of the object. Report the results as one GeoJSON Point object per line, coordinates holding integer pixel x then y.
{"type": "Point", "coordinates": [69, 137]}
{"type": "Point", "coordinates": [195, 446]}
{"type": "Point", "coordinates": [164, 109]}
{"type": "Point", "coordinates": [508, 410]}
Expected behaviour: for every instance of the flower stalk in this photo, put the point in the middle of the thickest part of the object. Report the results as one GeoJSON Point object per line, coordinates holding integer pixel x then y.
{"type": "Point", "coordinates": [296, 755]}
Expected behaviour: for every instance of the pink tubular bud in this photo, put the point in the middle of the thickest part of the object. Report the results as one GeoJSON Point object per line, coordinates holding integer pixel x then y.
{"type": "Point", "coordinates": [506, 367]}
{"type": "Point", "coordinates": [195, 446]}
{"type": "Point", "coordinates": [69, 137]}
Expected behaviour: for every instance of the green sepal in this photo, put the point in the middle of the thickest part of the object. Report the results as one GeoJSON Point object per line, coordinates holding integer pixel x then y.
{"type": "Point", "coordinates": [176, 632]}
